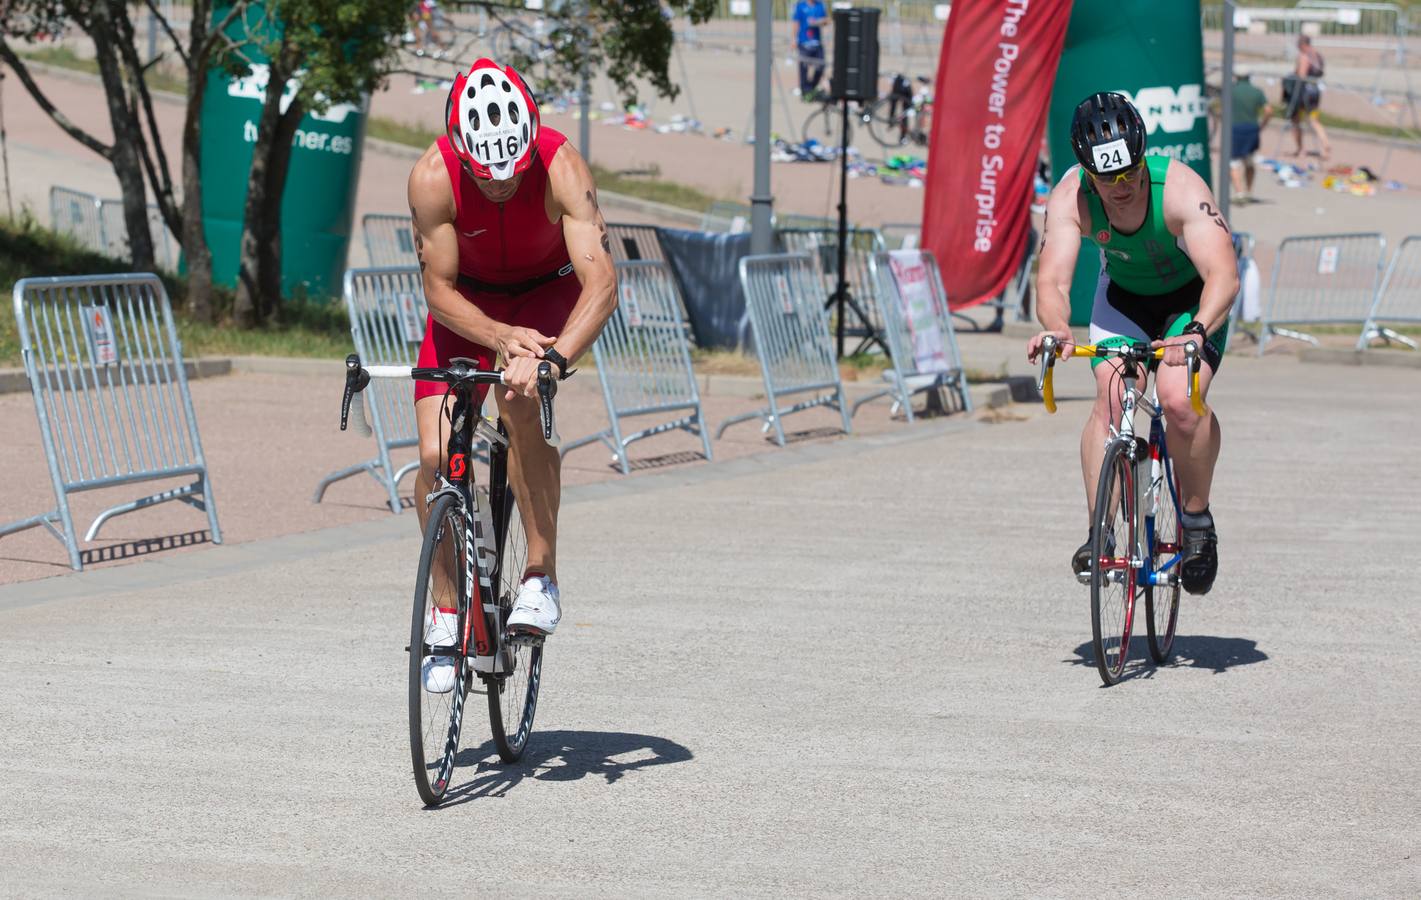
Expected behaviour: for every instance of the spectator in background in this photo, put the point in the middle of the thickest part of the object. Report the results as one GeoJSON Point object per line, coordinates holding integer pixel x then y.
{"type": "Point", "coordinates": [1302, 94]}
{"type": "Point", "coordinates": [1251, 113]}
{"type": "Point", "coordinates": [810, 18]}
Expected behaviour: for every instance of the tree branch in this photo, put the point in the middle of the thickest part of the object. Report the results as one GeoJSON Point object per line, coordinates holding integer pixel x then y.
{"type": "Point", "coordinates": [218, 32]}
{"type": "Point", "coordinates": [168, 30]}
{"type": "Point", "coordinates": [60, 119]}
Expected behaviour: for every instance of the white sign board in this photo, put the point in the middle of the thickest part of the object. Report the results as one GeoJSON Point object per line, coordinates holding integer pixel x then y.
{"type": "Point", "coordinates": [740, 7]}
{"type": "Point", "coordinates": [783, 295]}
{"type": "Point", "coordinates": [915, 298]}
{"type": "Point", "coordinates": [941, 11]}
{"type": "Point", "coordinates": [1327, 260]}
{"type": "Point", "coordinates": [98, 328]}
{"type": "Point", "coordinates": [410, 321]}
{"type": "Point", "coordinates": [630, 309]}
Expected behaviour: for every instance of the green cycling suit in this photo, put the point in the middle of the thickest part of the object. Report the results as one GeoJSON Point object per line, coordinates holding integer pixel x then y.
{"type": "Point", "coordinates": [1149, 289]}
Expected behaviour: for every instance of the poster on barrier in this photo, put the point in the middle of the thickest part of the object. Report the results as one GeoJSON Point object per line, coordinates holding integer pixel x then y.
{"type": "Point", "coordinates": [411, 322]}
{"type": "Point", "coordinates": [98, 328]}
{"type": "Point", "coordinates": [783, 295]}
{"type": "Point", "coordinates": [1327, 260]}
{"type": "Point", "coordinates": [915, 298]}
{"type": "Point", "coordinates": [630, 309]}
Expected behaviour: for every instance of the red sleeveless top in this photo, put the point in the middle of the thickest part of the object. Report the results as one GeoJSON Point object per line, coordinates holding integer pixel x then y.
{"type": "Point", "coordinates": [513, 241]}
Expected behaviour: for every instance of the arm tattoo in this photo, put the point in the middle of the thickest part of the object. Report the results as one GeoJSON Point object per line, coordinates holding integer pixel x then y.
{"type": "Point", "coordinates": [1212, 213]}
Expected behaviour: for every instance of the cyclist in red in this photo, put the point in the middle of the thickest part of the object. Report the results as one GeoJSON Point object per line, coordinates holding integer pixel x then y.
{"type": "Point", "coordinates": [517, 269]}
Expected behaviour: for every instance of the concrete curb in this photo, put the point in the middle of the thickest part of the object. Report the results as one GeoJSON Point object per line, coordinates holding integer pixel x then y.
{"type": "Point", "coordinates": [1330, 356]}
{"type": "Point", "coordinates": [14, 381]}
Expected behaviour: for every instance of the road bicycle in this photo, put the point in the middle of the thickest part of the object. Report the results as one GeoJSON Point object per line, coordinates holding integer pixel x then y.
{"type": "Point", "coordinates": [1135, 534]}
{"type": "Point", "coordinates": [470, 567]}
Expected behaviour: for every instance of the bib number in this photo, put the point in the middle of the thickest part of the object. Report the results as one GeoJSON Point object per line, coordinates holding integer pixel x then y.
{"type": "Point", "coordinates": [1112, 156]}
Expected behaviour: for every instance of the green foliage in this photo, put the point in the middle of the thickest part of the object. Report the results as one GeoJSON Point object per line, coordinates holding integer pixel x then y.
{"type": "Point", "coordinates": [628, 39]}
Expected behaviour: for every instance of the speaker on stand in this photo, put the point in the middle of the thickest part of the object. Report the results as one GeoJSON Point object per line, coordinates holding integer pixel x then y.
{"type": "Point", "coordinates": [854, 77]}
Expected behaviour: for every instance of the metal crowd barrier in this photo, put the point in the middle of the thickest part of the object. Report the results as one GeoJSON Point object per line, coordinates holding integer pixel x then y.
{"type": "Point", "coordinates": [1239, 315]}
{"type": "Point", "coordinates": [918, 325]}
{"type": "Point", "coordinates": [634, 242]}
{"type": "Point", "coordinates": [727, 216]}
{"type": "Point", "coordinates": [906, 235]}
{"type": "Point", "coordinates": [389, 240]}
{"type": "Point", "coordinates": [78, 215]}
{"type": "Point", "coordinates": [644, 363]}
{"type": "Point", "coordinates": [1399, 299]}
{"type": "Point", "coordinates": [106, 370]}
{"type": "Point", "coordinates": [1322, 279]}
{"type": "Point", "coordinates": [823, 245]}
{"type": "Point", "coordinates": [785, 296]}
{"type": "Point", "coordinates": [98, 225]}
{"type": "Point", "coordinates": [387, 319]}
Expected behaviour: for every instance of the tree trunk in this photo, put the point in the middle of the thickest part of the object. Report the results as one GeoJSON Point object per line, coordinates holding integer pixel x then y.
{"type": "Point", "coordinates": [269, 262]}
{"type": "Point", "coordinates": [194, 237]}
{"type": "Point", "coordinates": [127, 134]}
{"type": "Point", "coordinates": [251, 303]}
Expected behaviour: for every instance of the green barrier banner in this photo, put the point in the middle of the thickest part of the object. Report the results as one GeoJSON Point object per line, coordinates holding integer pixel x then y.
{"type": "Point", "coordinates": [319, 200]}
{"type": "Point", "coordinates": [1152, 52]}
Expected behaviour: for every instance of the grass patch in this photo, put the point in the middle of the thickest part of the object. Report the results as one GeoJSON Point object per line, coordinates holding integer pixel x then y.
{"type": "Point", "coordinates": [304, 327]}
{"type": "Point", "coordinates": [1387, 131]}
{"type": "Point", "coordinates": [65, 58]}
{"type": "Point", "coordinates": [400, 133]}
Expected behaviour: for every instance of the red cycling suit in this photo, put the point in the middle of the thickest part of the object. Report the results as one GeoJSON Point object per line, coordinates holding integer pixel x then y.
{"type": "Point", "coordinates": [513, 262]}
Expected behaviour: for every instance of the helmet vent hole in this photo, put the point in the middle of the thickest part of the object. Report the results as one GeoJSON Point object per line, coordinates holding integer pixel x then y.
{"type": "Point", "coordinates": [513, 113]}
{"type": "Point", "coordinates": [494, 116]}
{"type": "Point", "coordinates": [470, 92]}
{"type": "Point", "coordinates": [486, 81]}
{"type": "Point", "coordinates": [506, 86]}
{"type": "Point", "coordinates": [474, 118]}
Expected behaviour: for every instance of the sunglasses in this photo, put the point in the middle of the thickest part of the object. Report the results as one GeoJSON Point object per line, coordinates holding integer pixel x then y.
{"type": "Point", "coordinates": [1127, 177]}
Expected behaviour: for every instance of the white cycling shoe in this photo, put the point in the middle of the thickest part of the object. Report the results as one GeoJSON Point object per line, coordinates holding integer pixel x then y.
{"type": "Point", "coordinates": [536, 609]}
{"type": "Point", "coordinates": [440, 631]}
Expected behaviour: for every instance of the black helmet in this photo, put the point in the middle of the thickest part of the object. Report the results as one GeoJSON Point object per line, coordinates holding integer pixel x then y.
{"type": "Point", "coordinates": [1107, 134]}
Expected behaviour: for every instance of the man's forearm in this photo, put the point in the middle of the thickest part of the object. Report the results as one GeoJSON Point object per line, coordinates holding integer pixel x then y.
{"type": "Point", "coordinates": [594, 307]}
{"type": "Point", "coordinates": [462, 317]}
{"type": "Point", "coordinates": [1216, 301]}
{"type": "Point", "coordinates": [1053, 307]}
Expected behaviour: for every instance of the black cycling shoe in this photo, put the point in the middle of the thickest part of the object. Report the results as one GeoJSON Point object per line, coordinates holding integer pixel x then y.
{"type": "Point", "coordinates": [1080, 563]}
{"type": "Point", "coordinates": [1201, 555]}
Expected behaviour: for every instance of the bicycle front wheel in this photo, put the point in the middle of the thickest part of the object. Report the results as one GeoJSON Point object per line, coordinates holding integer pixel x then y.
{"type": "Point", "coordinates": [513, 691]}
{"type": "Point", "coordinates": [1113, 578]}
{"type": "Point", "coordinates": [1162, 600]}
{"type": "Point", "coordinates": [441, 612]}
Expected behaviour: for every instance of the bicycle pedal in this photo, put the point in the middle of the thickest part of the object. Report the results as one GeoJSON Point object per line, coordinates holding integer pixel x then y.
{"type": "Point", "coordinates": [523, 638]}
{"type": "Point", "coordinates": [1083, 577]}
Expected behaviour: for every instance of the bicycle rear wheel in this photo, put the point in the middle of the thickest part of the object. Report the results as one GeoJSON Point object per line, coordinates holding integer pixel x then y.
{"type": "Point", "coordinates": [512, 692]}
{"type": "Point", "coordinates": [1162, 600]}
{"type": "Point", "coordinates": [825, 125]}
{"type": "Point", "coordinates": [1113, 578]}
{"type": "Point", "coordinates": [435, 716]}
{"type": "Point", "coordinates": [889, 130]}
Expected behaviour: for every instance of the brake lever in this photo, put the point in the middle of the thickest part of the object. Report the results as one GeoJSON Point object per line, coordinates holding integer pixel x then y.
{"type": "Point", "coordinates": [547, 389]}
{"type": "Point", "coordinates": [356, 380]}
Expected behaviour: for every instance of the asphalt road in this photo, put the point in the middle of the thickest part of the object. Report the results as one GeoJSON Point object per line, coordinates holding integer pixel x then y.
{"type": "Point", "coordinates": [857, 668]}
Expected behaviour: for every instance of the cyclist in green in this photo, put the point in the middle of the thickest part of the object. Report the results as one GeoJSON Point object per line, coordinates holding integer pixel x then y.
{"type": "Point", "coordinates": [1168, 276]}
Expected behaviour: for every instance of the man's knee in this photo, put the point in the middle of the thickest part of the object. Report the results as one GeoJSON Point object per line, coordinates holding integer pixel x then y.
{"type": "Point", "coordinates": [1179, 411]}
{"type": "Point", "coordinates": [431, 457]}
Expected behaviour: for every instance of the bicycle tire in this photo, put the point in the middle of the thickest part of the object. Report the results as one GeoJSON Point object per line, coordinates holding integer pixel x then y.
{"type": "Point", "coordinates": [513, 694]}
{"type": "Point", "coordinates": [825, 125]}
{"type": "Point", "coordinates": [1162, 601]}
{"type": "Point", "coordinates": [436, 719]}
{"type": "Point", "coordinates": [884, 127]}
{"type": "Point", "coordinates": [1112, 611]}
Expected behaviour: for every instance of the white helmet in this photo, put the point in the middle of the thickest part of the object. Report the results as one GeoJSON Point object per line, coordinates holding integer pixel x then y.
{"type": "Point", "coordinates": [492, 121]}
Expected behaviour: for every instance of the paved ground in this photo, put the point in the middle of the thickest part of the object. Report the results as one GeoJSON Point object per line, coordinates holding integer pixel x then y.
{"type": "Point", "coordinates": [852, 669]}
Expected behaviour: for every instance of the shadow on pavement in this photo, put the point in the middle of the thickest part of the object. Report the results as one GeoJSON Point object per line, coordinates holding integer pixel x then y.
{"type": "Point", "coordinates": [128, 549]}
{"type": "Point", "coordinates": [563, 756]}
{"type": "Point", "coordinates": [1197, 651]}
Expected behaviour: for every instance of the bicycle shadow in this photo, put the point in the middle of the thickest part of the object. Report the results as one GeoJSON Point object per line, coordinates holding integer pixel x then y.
{"type": "Point", "coordinates": [1197, 651]}
{"type": "Point", "coordinates": [562, 756]}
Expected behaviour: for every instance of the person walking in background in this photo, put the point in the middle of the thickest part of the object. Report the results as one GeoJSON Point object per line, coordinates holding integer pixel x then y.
{"type": "Point", "coordinates": [1251, 113]}
{"type": "Point", "coordinates": [1302, 94]}
{"type": "Point", "coordinates": [810, 18]}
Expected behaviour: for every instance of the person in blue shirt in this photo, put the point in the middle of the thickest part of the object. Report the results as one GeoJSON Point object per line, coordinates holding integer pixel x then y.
{"type": "Point", "coordinates": [810, 18]}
